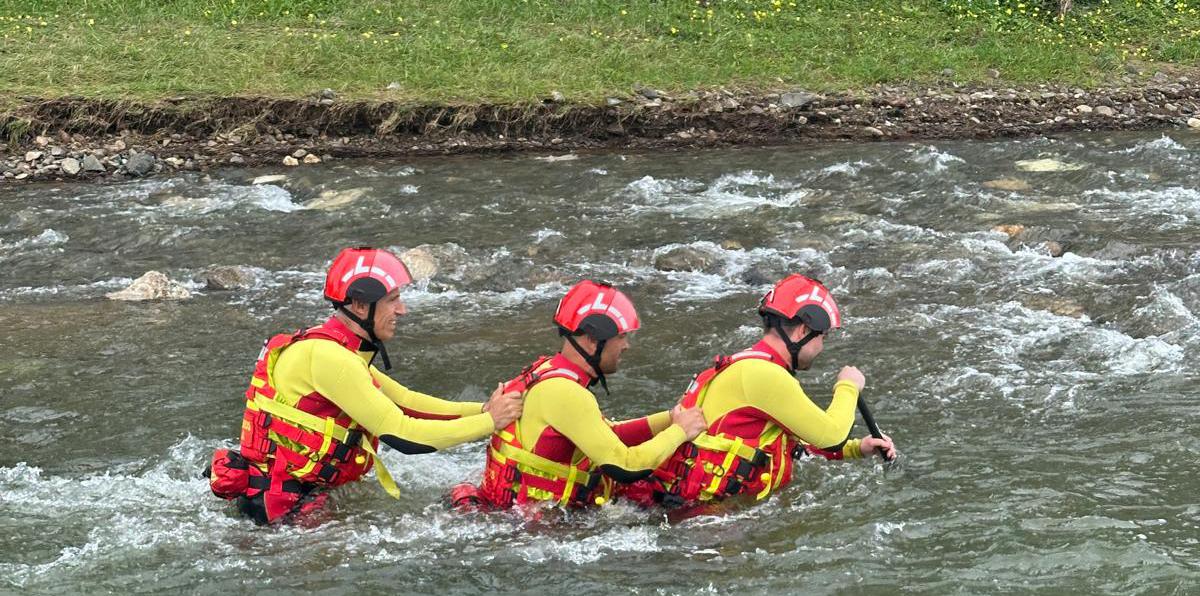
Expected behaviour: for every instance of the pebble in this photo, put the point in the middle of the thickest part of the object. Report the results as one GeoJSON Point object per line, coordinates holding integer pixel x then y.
{"type": "Point", "coordinates": [290, 161]}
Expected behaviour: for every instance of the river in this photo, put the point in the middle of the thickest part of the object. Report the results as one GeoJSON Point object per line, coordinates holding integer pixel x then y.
{"type": "Point", "coordinates": [1041, 402]}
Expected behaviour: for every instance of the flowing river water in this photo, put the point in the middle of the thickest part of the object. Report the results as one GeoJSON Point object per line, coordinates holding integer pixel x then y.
{"type": "Point", "coordinates": [1043, 403]}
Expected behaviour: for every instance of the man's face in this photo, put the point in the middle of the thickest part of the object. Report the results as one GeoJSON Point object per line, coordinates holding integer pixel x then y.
{"type": "Point", "coordinates": [810, 351]}
{"type": "Point", "coordinates": [610, 359]}
{"type": "Point", "coordinates": [387, 310]}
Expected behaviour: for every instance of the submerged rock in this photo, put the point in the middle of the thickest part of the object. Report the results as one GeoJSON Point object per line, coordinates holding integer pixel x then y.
{"type": "Point", "coordinates": [1012, 230]}
{"type": "Point", "coordinates": [688, 258]}
{"type": "Point", "coordinates": [1063, 307]}
{"type": "Point", "coordinates": [1047, 165]}
{"type": "Point", "coordinates": [151, 286]}
{"type": "Point", "coordinates": [334, 199]}
{"type": "Point", "coordinates": [1010, 184]}
{"type": "Point", "coordinates": [426, 260]}
{"type": "Point", "coordinates": [229, 277]}
{"type": "Point", "coordinates": [271, 179]}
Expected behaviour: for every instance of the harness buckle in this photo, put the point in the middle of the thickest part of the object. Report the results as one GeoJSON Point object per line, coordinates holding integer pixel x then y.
{"type": "Point", "coordinates": [353, 438]}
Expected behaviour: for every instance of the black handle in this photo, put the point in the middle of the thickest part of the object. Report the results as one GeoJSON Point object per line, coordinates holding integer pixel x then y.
{"type": "Point", "coordinates": [872, 427]}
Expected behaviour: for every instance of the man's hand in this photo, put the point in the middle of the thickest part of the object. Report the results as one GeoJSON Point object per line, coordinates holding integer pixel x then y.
{"type": "Point", "coordinates": [690, 419]}
{"type": "Point", "coordinates": [504, 407]}
{"type": "Point", "coordinates": [852, 374]}
{"type": "Point", "coordinates": [870, 446]}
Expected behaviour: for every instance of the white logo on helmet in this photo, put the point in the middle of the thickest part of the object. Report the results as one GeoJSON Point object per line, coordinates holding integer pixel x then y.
{"type": "Point", "coordinates": [825, 303]}
{"type": "Point", "coordinates": [599, 306]}
{"type": "Point", "coordinates": [361, 268]}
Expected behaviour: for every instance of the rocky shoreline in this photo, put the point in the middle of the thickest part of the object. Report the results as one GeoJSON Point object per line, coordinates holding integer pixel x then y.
{"type": "Point", "coordinates": [69, 139]}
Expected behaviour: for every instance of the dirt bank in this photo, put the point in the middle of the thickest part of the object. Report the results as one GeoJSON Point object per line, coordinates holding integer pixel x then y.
{"type": "Point", "coordinates": [84, 139]}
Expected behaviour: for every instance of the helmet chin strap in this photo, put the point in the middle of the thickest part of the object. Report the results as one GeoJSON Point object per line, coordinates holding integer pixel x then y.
{"type": "Point", "coordinates": [793, 347]}
{"type": "Point", "coordinates": [368, 325]}
{"type": "Point", "coordinates": [593, 360]}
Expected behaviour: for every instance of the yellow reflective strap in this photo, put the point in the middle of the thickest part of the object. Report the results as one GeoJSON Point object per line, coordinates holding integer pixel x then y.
{"type": "Point", "coordinates": [381, 471]}
{"type": "Point", "coordinates": [300, 418]}
{"type": "Point", "coordinates": [725, 467]}
{"type": "Point", "coordinates": [726, 445]}
{"type": "Point", "coordinates": [505, 436]}
{"type": "Point", "coordinates": [257, 382]}
{"type": "Point", "coordinates": [328, 438]}
{"type": "Point", "coordinates": [567, 488]}
{"type": "Point", "coordinates": [543, 465]}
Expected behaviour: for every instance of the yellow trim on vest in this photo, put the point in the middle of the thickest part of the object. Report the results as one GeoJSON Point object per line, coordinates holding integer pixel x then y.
{"type": "Point", "coordinates": [540, 464]}
{"type": "Point", "coordinates": [328, 428]}
{"type": "Point", "coordinates": [726, 466]}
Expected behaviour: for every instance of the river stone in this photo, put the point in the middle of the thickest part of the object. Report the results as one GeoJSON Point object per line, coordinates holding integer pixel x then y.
{"type": "Point", "coordinates": [311, 159]}
{"type": "Point", "coordinates": [290, 161]}
{"type": "Point", "coordinates": [1115, 250]}
{"type": "Point", "coordinates": [271, 179]}
{"type": "Point", "coordinates": [1106, 111]}
{"type": "Point", "coordinates": [1063, 307]}
{"type": "Point", "coordinates": [1083, 109]}
{"type": "Point", "coordinates": [731, 245]}
{"type": "Point", "coordinates": [31, 156]}
{"type": "Point", "coordinates": [229, 277]}
{"type": "Point", "coordinates": [1054, 247]}
{"type": "Point", "coordinates": [140, 164]}
{"type": "Point", "coordinates": [334, 199]}
{"type": "Point", "coordinates": [688, 258]}
{"type": "Point", "coordinates": [796, 100]}
{"type": "Point", "coordinates": [70, 166]}
{"type": "Point", "coordinates": [425, 260]}
{"type": "Point", "coordinates": [1193, 122]}
{"type": "Point", "coordinates": [1011, 230]}
{"type": "Point", "coordinates": [1010, 184]}
{"type": "Point", "coordinates": [92, 164]}
{"type": "Point", "coordinates": [151, 286]}
{"type": "Point", "coordinates": [1046, 165]}
{"type": "Point", "coordinates": [299, 153]}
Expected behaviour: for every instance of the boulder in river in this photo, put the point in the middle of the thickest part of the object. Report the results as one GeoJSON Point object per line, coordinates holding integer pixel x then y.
{"type": "Point", "coordinates": [1047, 165]}
{"type": "Point", "coordinates": [151, 286]}
{"type": "Point", "coordinates": [334, 199]}
{"type": "Point", "coordinates": [689, 257]}
{"type": "Point", "coordinates": [1011, 230]}
{"type": "Point", "coordinates": [426, 260]}
{"type": "Point", "coordinates": [229, 277]}
{"type": "Point", "coordinates": [270, 179]}
{"type": "Point", "coordinates": [1010, 184]}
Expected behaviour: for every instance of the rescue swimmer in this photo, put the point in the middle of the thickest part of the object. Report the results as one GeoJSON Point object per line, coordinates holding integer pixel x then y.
{"type": "Point", "coordinates": [317, 408]}
{"type": "Point", "coordinates": [760, 417]}
{"type": "Point", "coordinates": [562, 449]}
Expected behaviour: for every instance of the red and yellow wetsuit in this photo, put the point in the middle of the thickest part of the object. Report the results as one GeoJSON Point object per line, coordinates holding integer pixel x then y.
{"type": "Point", "coordinates": [316, 411]}
{"type": "Point", "coordinates": [563, 449]}
{"type": "Point", "coordinates": [421, 424]}
{"type": "Point", "coordinates": [758, 413]}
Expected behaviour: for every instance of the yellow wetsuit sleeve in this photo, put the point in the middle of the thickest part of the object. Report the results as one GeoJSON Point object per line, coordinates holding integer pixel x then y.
{"type": "Point", "coordinates": [573, 411]}
{"type": "Point", "coordinates": [343, 378]}
{"type": "Point", "coordinates": [421, 403]}
{"type": "Point", "coordinates": [769, 388]}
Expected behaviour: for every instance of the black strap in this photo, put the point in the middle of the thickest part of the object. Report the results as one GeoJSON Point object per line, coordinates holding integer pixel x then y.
{"type": "Point", "coordinates": [593, 360]}
{"type": "Point", "coordinates": [368, 325]}
{"type": "Point", "coordinates": [264, 483]}
{"type": "Point", "coordinates": [793, 347]}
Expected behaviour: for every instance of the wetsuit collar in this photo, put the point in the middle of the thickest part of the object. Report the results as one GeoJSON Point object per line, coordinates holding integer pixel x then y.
{"type": "Point", "coordinates": [764, 347]}
{"type": "Point", "coordinates": [559, 361]}
{"type": "Point", "coordinates": [353, 342]}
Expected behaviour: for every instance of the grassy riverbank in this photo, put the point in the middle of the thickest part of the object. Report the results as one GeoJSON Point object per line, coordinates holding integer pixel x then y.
{"type": "Point", "coordinates": [513, 51]}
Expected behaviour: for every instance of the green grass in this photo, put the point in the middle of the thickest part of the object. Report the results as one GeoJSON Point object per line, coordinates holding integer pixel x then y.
{"type": "Point", "coordinates": [514, 50]}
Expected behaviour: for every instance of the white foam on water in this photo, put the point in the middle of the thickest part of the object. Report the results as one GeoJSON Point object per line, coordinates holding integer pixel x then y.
{"type": "Point", "coordinates": [167, 504]}
{"type": "Point", "coordinates": [1161, 145]}
{"type": "Point", "coordinates": [937, 160]}
{"type": "Point", "coordinates": [48, 237]}
{"type": "Point", "coordinates": [408, 189]}
{"type": "Point", "coordinates": [543, 234]}
{"type": "Point", "coordinates": [1179, 206]}
{"type": "Point", "coordinates": [723, 196]}
{"type": "Point", "coordinates": [93, 289]}
{"type": "Point", "coordinates": [848, 168]}
{"type": "Point", "coordinates": [638, 539]}
{"type": "Point", "coordinates": [724, 277]}
{"type": "Point", "coordinates": [598, 171]}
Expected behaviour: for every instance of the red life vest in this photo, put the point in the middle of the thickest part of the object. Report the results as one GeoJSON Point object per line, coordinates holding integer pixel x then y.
{"type": "Point", "coordinates": [719, 465]}
{"type": "Point", "coordinates": [287, 451]}
{"type": "Point", "coordinates": [516, 475]}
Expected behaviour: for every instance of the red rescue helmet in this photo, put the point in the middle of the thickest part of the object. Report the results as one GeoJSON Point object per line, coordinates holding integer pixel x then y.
{"type": "Point", "coordinates": [365, 274]}
{"type": "Point", "coordinates": [598, 309]}
{"type": "Point", "coordinates": [798, 299]}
